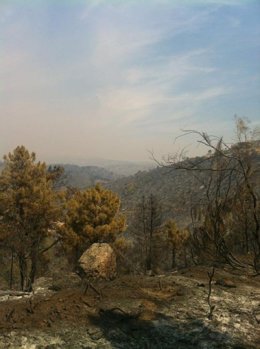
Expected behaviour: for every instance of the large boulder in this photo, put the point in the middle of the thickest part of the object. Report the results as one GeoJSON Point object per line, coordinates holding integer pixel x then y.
{"type": "Point", "coordinates": [99, 261]}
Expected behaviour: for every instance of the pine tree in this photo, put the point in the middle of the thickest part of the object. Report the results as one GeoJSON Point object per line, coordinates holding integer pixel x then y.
{"type": "Point", "coordinates": [28, 209]}
{"type": "Point", "coordinates": [92, 216]}
{"type": "Point", "coordinates": [176, 237]}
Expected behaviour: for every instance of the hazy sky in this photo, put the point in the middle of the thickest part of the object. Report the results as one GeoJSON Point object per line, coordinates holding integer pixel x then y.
{"type": "Point", "coordinates": [113, 79]}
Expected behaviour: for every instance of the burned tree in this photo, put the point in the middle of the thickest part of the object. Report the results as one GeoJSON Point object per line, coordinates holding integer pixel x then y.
{"type": "Point", "coordinates": [147, 220]}
{"type": "Point", "coordinates": [228, 211]}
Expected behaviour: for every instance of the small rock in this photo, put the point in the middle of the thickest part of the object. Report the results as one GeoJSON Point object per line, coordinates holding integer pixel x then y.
{"type": "Point", "coordinates": [200, 284]}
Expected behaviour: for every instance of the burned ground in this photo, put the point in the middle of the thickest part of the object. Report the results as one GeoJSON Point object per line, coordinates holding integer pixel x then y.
{"type": "Point", "coordinates": [163, 311]}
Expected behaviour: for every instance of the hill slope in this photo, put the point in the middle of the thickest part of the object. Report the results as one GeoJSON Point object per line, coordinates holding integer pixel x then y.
{"type": "Point", "coordinates": [177, 190]}
{"type": "Point", "coordinates": [85, 176]}
{"type": "Point", "coordinates": [174, 190]}
{"type": "Point", "coordinates": [122, 167]}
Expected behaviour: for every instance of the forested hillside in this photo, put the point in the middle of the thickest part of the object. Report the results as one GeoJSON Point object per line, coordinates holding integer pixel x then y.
{"type": "Point", "coordinates": [122, 168]}
{"type": "Point", "coordinates": [84, 176]}
{"type": "Point", "coordinates": [176, 189]}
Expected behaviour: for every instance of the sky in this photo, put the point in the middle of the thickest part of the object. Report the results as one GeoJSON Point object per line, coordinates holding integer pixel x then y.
{"type": "Point", "coordinates": [85, 79]}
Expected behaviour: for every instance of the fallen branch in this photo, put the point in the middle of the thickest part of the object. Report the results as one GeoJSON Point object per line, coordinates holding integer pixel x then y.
{"type": "Point", "coordinates": [87, 304]}
{"type": "Point", "coordinates": [14, 293]}
{"type": "Point", "coordinates": [89, 285]}
{"type": "Point", "coordinates": [50, 246]}
{"type": "Point", "coordinates": [113, 310]}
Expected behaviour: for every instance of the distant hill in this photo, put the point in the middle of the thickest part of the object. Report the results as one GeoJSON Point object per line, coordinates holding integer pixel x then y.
{"type": "Point", "coordinates": [85, 176]}
{"type": "Point", "coordinates": [122, 168]}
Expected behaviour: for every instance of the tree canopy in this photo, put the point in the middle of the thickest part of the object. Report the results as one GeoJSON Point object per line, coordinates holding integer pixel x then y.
{"type": "Point", "coordinates": [93, 216]}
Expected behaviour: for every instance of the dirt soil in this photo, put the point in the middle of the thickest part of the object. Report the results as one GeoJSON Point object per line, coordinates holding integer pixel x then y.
{"type": "Point", "coordinates": [163, 311]}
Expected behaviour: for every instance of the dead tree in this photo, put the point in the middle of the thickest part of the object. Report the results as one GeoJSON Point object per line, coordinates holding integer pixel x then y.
{"type": "Point", "coordinates": [225, 173]}
{"type": "Point", "coordinates": [147, 220]}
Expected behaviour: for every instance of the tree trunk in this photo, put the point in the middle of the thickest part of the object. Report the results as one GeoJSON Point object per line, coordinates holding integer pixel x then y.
{"type": "Point", "coordinates": [151, 229]}
{"type": "Point", "coordinates": [149, 256]}
{"type": "Point", "coordinates": [185, 257]}
{"type": "Point", "coordinates": [11, 271]}
{"type": "Point", "coordinates": [246, 240]}
{"type": "Point", "coordinates": [173, 257]}
{"type": "Point", "coordinates": [23, 271]}
{"type": "Point", "coordinates": [34, 263]}
{"type": "Point", "coordinates": [148, 262]}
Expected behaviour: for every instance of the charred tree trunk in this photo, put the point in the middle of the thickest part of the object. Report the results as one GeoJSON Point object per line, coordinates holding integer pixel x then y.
{"type": "Point", "coordinates": [33, 271]}
{"type": "Point", "coordinates": [11, 270]}
{"type": "Point", "coordinates": [173, 256]}
{"type": "Point", "coordinates": [23, 271]}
